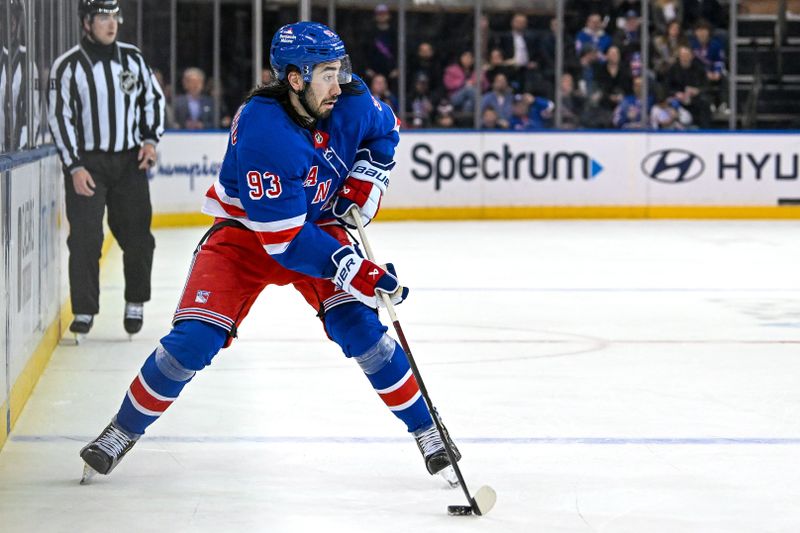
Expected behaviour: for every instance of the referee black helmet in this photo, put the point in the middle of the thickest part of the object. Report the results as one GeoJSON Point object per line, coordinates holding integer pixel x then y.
{"type": "Point", "coordinates": [88, 8]}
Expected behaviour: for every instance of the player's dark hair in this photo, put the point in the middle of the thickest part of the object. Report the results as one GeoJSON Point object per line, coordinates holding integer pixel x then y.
{"type": "Point", "coordinates": [279, 90]}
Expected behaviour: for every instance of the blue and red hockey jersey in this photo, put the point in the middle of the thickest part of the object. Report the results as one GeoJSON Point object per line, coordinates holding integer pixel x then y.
{"type": "Point", "coordinates": [279, 179]}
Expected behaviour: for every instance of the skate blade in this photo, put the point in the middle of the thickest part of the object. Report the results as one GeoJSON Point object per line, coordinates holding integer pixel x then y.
{"type": "Point", "coordinates": [88, 474]}
{"type": "Point", "coordinates": [449, 475]}
{"type": "Point", "coordinates": [73, 339]}
{"type": "Point", "coordinates": [484, 499]}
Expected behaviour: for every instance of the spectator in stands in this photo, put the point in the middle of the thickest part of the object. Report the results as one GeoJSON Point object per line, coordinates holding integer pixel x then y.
{"type": "Point", "coordinates": [628, 37]}
{"type": "Point", "coordinates": [425, 62]}
{"type": "Point", "coordinates": [379, 87]}
{"type": "Point", "coordinates": [666, 48]}
{"type": "Point", "coordinates": [194, 110]}
{"type": "Point", "coordinates": [421, 102]}
{"type": "Point", "coordinates": [668, 113]}
{"type": "Point", "coordinates": [711, 53]}
{"type": "Point", "coordinates": [531, 112]}
{"type": "Point", "coordinates": [628, 114]}
{"type": "Point", "coordinates": [621, 12]}
{"type": "Point", "coordinates": [520, 121]}
{"type": "Point", "coordinates": [499, 98]}
{"type": "Point", "coordinates": [444, 114]}
{"type": "Point", "coordinates": [710, 10]}
{"type": "Point", "coordinates": [461, 82]}
{"type": "Point", "coordinates": [593, 36]}
{"type": "Point", "coordinates": [611, 81]}
{"type": "Point", "coordinates": [491, 121]}
{"type": "Point", "coordinates": [709, 50]}
{"type": "Point", "coordinates": [520, 48]}
{"type": "Point", "coordinates": [686, 80]}
{"type": "Point", "coordinates": [497, 65]}
{"type": "Point", "coordinates": [572, 103]}
{"type": "Point", "coordinates": [664, 13]}
{"type": "Point", "coordinates": [382, 46]}
{"type": "Point", "coordinates": [547, 51]}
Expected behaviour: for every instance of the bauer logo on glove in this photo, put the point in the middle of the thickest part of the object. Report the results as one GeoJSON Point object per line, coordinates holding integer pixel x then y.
{"type": "Point", "coordinates": [363, 189]}
{"type": "Point", "coordinates": [363, 279]}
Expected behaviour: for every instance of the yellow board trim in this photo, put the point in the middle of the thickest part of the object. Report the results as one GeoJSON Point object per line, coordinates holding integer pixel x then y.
{"type": "Point", "coordinates": [172, 220]}
{"type": "Point", "coordinates": [25, 383]}
{"type": "Point", "coordinates": [166, 220]}
{"type": "Point", "coordinates": [23, 387]}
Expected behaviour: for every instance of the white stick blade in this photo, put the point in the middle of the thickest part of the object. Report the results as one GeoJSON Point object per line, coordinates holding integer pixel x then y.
{"type": "Point", "coordinates": [485, 499]}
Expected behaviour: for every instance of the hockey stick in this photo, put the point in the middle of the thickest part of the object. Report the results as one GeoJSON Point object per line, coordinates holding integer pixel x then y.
{"type": "Point", "coordinates": [485, 498]}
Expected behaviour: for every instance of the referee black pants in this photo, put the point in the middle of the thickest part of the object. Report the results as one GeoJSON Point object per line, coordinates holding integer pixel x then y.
{"type": "Point", "coordinates": [120, 185]}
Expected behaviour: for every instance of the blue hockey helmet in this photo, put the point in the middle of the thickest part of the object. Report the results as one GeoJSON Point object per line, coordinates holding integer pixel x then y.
{"type": "Point", "coordinates": [304, 45]}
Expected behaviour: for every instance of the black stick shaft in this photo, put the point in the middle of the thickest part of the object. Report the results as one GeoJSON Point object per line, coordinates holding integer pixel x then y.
{"type": "Point", "coordinates": [387, 302]}
{"type": "Point", "coordinates": [434, 414]}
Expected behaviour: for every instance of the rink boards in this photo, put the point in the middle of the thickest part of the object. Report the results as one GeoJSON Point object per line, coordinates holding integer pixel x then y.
{"type": "Point", "coordinates": [34, 278]}
{"type": "Point", "coordinates": [459, 175]}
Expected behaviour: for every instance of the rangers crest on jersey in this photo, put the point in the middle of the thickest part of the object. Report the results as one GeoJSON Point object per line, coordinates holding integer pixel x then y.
{"type": "Point", "coordinates": [202, 297]}
{"type": "Point", "coordinates": [127, 81]}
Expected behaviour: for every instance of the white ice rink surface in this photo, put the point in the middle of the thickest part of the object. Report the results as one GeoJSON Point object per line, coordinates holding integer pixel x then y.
{"type": "Point", "coordinates": [635, 376]}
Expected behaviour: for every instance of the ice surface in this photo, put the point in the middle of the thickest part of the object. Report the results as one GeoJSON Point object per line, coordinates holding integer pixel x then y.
{"type": "Point", "coordinates": [626, 376]}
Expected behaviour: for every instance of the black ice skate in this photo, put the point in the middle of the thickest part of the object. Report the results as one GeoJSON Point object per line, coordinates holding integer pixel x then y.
{"type": "Point", "coordinates": [104, 453]}
{"type": "Point", "coordinates": [82, 324]}
{"type": "Point", "coordinates": [436, 459]}
{"type": "Point", "coordinates": [134, 317]}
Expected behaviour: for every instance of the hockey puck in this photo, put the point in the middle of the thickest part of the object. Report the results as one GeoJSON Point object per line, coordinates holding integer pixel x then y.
{"type": "Point", "coordinates": [459, 510]}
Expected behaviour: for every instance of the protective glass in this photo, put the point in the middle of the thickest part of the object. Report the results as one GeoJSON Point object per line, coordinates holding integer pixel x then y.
{"type": "Point", "coordinates": [342, 74]}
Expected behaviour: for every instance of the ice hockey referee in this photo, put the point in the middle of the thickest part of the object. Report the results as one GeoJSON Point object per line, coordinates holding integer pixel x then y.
{"type": "Point", "coordinates": [106, 115]}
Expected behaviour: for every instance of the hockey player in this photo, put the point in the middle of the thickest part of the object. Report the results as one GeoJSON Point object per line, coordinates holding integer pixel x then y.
{"type": "Point", "coordinates": [304, 152]}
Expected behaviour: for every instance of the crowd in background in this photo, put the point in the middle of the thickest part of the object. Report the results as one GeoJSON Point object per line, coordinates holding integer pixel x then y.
{"type": "Point", "coordinates": [514, 85]}
{"type": "Point", "coordinates": [602, 82]}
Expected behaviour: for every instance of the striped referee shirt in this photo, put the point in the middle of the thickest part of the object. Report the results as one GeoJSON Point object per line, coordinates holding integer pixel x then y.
{"type": "Point", "coordinates": [103, 99]}
{"type": "Point", "coordinates": [13, 110]}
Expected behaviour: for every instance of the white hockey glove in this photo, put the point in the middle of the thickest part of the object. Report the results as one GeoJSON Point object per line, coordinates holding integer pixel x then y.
{"type": "Point", "coordinates": [363, 189]}
{"type": "Point", "coordinates": [364, 279]}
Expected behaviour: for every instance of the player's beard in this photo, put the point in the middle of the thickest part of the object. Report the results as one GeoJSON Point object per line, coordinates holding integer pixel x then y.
{"type": "Point", "coordinates": [315, 111]}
